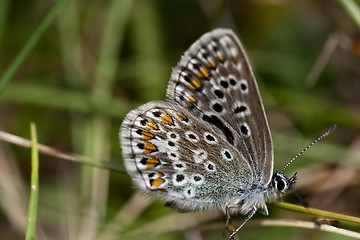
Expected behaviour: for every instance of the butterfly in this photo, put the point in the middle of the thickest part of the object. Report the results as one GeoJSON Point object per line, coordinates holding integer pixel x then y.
{"type": "Point", "coordinates": [208, 146]}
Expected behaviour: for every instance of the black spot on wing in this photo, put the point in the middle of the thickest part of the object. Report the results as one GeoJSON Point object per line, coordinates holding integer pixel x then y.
{"type": "Point", "coordinates": [215, 121]}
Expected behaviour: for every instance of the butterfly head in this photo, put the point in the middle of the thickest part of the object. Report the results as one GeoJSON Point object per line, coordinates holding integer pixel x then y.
{"type": "Point", "coordinates": [283, 184]}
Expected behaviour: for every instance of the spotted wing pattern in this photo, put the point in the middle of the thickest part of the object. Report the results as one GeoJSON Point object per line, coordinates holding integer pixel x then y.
{"type": "Point", "coordinates": [215, 82]}
{"type": "Point", "coordinates": [210, 143]}
{"type": "Point", "coordinates": [171, 154]}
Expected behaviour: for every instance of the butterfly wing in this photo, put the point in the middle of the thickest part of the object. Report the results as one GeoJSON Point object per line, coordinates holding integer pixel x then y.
{"type": "Point", "coordinates": [173, 155]}
{"type": "Point", "coordinates": [214, 81]}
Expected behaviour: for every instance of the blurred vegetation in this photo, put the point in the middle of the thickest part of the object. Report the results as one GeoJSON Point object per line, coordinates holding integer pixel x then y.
{"type": "Point", "coordinates": [97, 60]}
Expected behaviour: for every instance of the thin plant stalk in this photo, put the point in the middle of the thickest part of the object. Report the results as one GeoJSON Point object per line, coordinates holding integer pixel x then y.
{"type": "Point", "coordinates": [317, 212]}
{"type": "Point", "coordinates": [34, 193]}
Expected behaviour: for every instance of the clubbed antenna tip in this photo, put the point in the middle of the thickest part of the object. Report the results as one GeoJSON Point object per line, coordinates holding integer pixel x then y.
{"type": "Point", "coordinates": [330, 130]}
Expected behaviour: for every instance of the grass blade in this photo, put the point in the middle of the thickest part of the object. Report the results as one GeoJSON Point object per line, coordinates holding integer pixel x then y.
{"type": "Point", "coordinates": [34, 194]}
{"type": "Point", "coordinates": [317, 212]}
{"type": "Point", "coordinates": [25, 51]}
{"type": "Point", "coordinates": [353, 10]}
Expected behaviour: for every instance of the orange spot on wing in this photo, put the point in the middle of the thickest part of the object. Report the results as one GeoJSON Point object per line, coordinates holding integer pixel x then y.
{"type": "Point", "coordinates": [152, 126]}
{"type": "Point", "coordinates": [192, 99]}
{"type": "Point", "coordinates": [203, 73]}
{"type": "Point", "coordinates": [157, 182]}
{"type": "Point", "coordinates": [211, 64]}
{"type": "Point", "coordinates": [152, 163]}
{"type": "Point", "coordinates": [167, 120]}
{"type": "Point", "coordinates": [182, 117]}
{"type": "Point", "coordinates": [149, 148]}
{"type": "Point", "coordinates": [147, 136]}
{"type": "Point", "coordinates": [195, 84]}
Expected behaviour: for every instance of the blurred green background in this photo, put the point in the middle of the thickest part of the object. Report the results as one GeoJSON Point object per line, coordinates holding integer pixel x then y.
{"type": "Point", "coordinates": [99, 59]}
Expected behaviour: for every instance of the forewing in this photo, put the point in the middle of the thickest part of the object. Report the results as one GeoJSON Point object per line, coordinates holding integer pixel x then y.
{"type": "Point", "coordinates": [214, 82]}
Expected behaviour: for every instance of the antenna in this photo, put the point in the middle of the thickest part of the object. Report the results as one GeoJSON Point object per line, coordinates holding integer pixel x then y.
{"type": "Point", "coordinates": [330, 130]}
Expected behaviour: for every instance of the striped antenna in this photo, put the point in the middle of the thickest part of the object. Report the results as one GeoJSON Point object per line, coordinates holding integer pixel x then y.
{"type": "Point", "coordinates": [330, 130]}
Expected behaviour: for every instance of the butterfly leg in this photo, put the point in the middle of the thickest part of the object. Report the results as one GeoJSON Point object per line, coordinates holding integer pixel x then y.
{"type": "Point", "coordinates": [245, 221]}
{"type": "Point", "coordinates": [228, 217]}
{"type": "Point", "coordinates": [228, 228]}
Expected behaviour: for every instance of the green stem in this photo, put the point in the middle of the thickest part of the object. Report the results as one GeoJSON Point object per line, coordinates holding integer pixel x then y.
{"type": "Point", "coordinates": [317, 212]}
{"type": "Point", "coordinates": [34, 194]}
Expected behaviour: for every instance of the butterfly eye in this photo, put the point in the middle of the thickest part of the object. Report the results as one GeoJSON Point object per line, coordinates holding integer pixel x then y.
{"type": "Point", "coordinates": [280, 182]}
{"type": "Point", "coordinates": [280, 185]}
